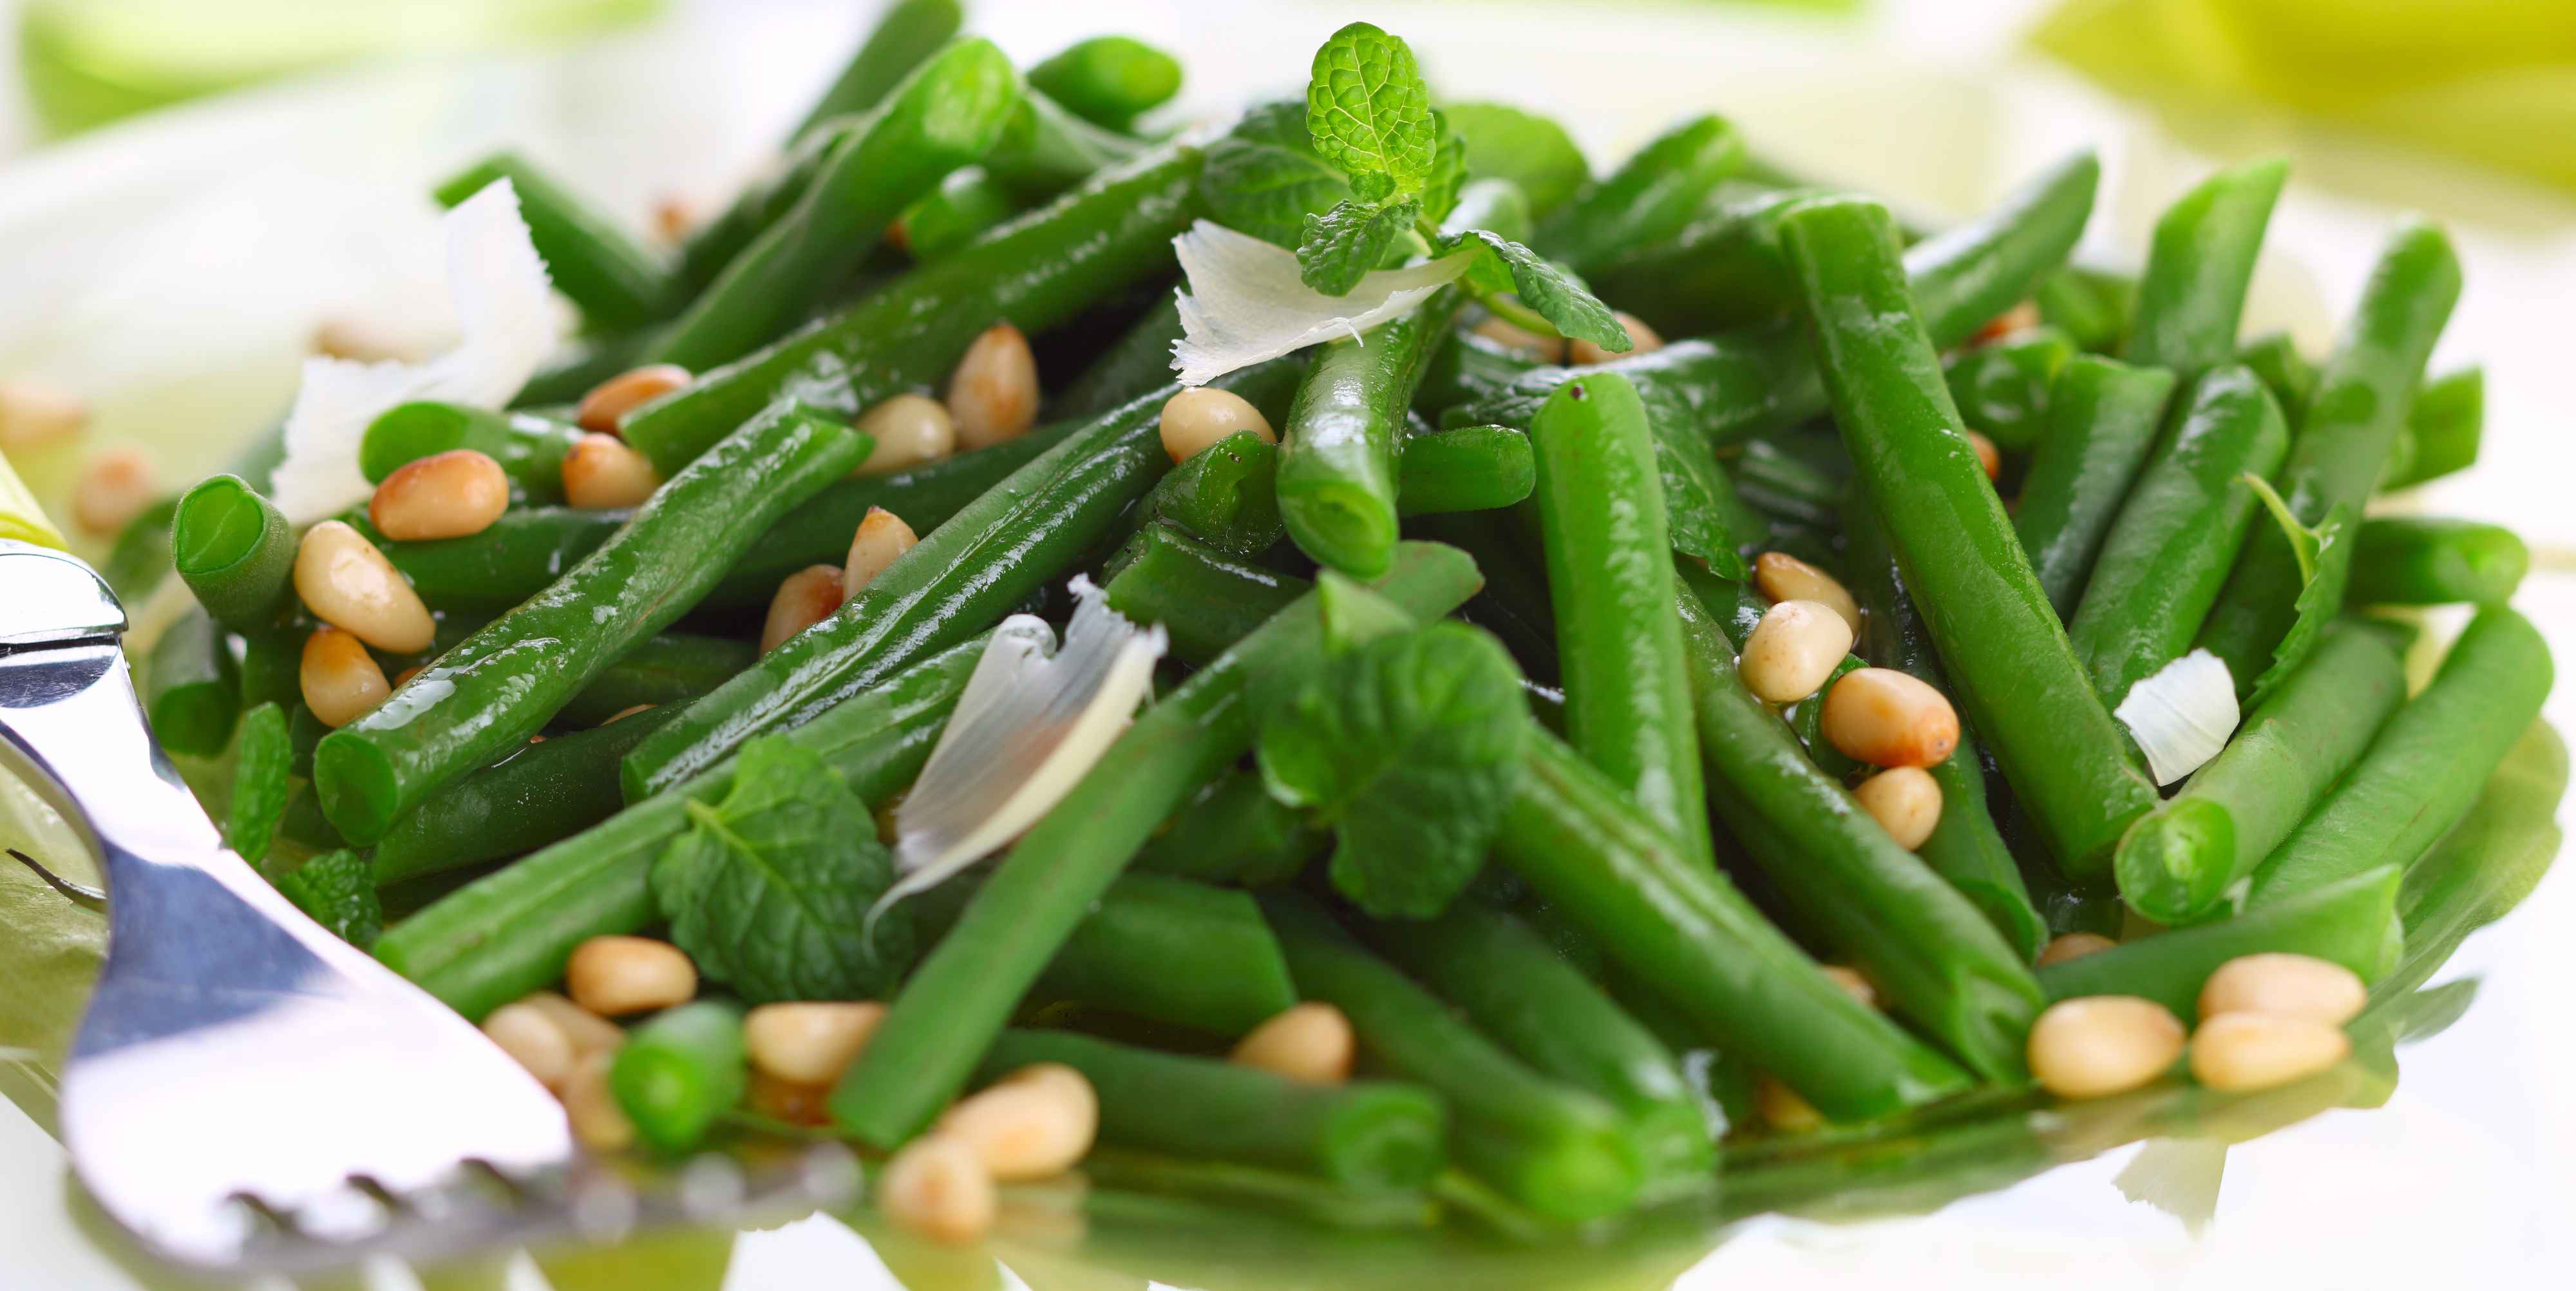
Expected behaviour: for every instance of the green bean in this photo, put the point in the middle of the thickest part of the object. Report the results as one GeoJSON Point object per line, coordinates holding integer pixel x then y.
{"type": "Point", "coordinates": [1376, 1133]}
{"type": "Point", "coordinates": [2198, 264]}
{"type": "Point", "coordinates": [1469, 369]}
{"type": "Point", "coordinates": [614, 282]}
{"type": "Point", "coordinates": [235, 551]}
{"type": "Point", "coordinates": [141, 557]}
{"type": "Point", "coordinates": [1233, 831]}
{"type": "Point", "coordinates": [666, 670]}
{"type": "Point", "coordinates": [1723, 269]}
{"type": "Point", "coordinates": [948, 113]}
{"type": "Point", "coordinates": [2103, 417]}
{"type": "Point", "coordinates": [2420, 560]}
{"type": "Point", "coordinates": [2486, 865]}
{"type": "Point", "coordinates": [1230, 1191]}
{"type": "Point", "coordinates": [2007, 655]}
{"type": "Point", "coordinates": [960, 995]}
{"type": "Point", "coordinates": [539, 795]}
{"type": "Point", "coordinates": [1649, 198]}
{"type": "Point", "coordinates": [958, 580]}
{"type": "Point", "coordinates": [2442, 430]}
{"type": "Point", "coordinates": [1338, 449]}
{"type": "Point", "coordinates": [1108, 80]}
{"type": "Point", "coordinates": [2426, 765]}
{"type": "Point", "coordinates": [906, 35]}
{"type": "Point", "coordinates": [2177, 865]}
{"type": "Point", "coordinates": [2003, 386]}
{"type": "Point", "coordinates": [509, 932]}
{"type": "Point", "coordinates": [1159, 948]}
{"type": "Point", "coordinates": [1138, 362]}
{"type": "Point", "coordinates": [1544, 1143]}
{"type": "Point", "coordinates": [1226, 495]}
{"type": "Point", "coordinates": [2165, 558]}
{"type": "Point", "coordinates": [2346, 922]}
{"type": "Point", "coordinates": [191, 687]}
{"type": "Point", "coordinates": [1512, 986]}
{"type": "Point", "coordinates": [2290, 376]}
{"type": "Point", "coordinates": [2091, 305]}
{"type": "Point", "coordinates": [498, 687]}
{"type": "Point", "coordinates": [1471, 468]}
{"type": "Point", "coordinates": [1783, 484]}
{"type": "Point", "coordinates": [1205, 600]}
{"type": "Point", "coordinates": [2342, 442]}
{"type": "Point", "coordinates": [679, 1073]}
{"type": "Point", "coordinates": [1047, 149]}
{"type": "Point", "coordinates": [1107, 235]}
{"type": "Point", "coordinates": [1514, 603]}
{"type": "Point", "coordinates": [1610, 574]}
{"type": "Point", "coordinates": [529, 449]}
{"type": "Point", "coordinates": [960, 210]}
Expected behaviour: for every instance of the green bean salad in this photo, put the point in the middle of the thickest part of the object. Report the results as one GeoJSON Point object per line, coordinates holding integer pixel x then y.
{"type": "Point", "coordinates": [1581, 676]}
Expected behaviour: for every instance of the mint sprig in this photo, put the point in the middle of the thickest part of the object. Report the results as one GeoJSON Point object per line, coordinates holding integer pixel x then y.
{"type": "Point", "coordinates": [1370, 110]}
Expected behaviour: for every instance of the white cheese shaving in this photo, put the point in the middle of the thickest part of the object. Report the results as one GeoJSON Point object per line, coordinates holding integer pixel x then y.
{"type": "Point", "coordinates": [506, 315]}
{"type": "Point", "coordinates": [1245, 302]}
{"type": "Point", "coordinates": [2182, 715]}
{"type": "Point", "coordinates": [1029, 725]}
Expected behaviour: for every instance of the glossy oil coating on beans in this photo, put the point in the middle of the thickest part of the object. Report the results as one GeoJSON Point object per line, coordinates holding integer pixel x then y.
{"type": "Point", "coordinates": [1471, 468]}
{"type": "Point", "coordinates": [614, 282]}
{"type": "Point", "coordinates": [235, 551]}
{"type": "Point", "coordinates": [2346, 922]}
{"type": "Point", "coordinates": [2423, 560]}
{"type": "Point", "coordinates": [2006, 654]}
{"type": "Point", "coordinates": [539, 795]}
{"type": "Point", "coordinates": [2197, 268]}
{"type": "Point", "coordinates": [1205, 600]}
{"type": "Point", "coordinates": [1337, 460]}
{"type": "Point", "coordinates": [529, 448]}
{"type": "Point", "coordinates": [2102, 421]}
{"type": "Point", "coordinates": [1225, 495]}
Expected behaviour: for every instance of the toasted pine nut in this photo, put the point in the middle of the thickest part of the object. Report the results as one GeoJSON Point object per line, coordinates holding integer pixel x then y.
{"type": "Point", "coordinates": [33, 414]}
{"type": "Point", "coordinates": [1784, 577]}
{"type": "Point", "coordinates": [2299, 986]}
{"type": "Point", "coordinates": [347, 583]}
{"type": "Point", "coordinates": [2102, 1044]}
{"type": "Point", "coordinates": [1030, 1124]}
{"type": "Point", "coordinates": [1792, 650]}
{"type": "Point", "coordinates": [114, 488]}
{"type": "Point", "coordinates": [610, 400]}
{"type": "Point", "coordinates": [2020, 316]}
{"type": "Point", "coordinates": [788, 1101]}
{"type": "Point", "coordinates": [403, 678]}
{"type": "Point", "coordinates": [1988, 456]}
{"type": "Point", "coordinates": [937, 1188]}
{"type": "Point", "coordinates": [444, 495]}
{"type": "Point", "coordinates": [1905, 801]}
{"type": "Point", "coordinates": [588, 1031]}
{"type": "Point", "coordinates": [673, 218]}
{"type": "Point", "coordinates": [1853, 984]}
{"type": "Point", "coordinates": [629, 711]}
{"type": "Point", "coordinates": [803, 599]}
{"type": "Point", "coordinates": [993, 394]}
{"type": "Point", "coordinates": [2245, 1051]}
{"type": "Point", "coordinates": [809, 1042]}
{"type": "Point", "coordinates": [1888, 718]}
{"type": "Point", "coordinates": [339, 680]}
{"type": "Point", "coordinates": [532, 1039]}
{"type": "Point", "coordinates": [615, 976]}
{"type": "Point", "coordinates": [1545, 349]}
{"type": "Point", "coordinates": [597, 1121]}
{"type": "Point", "coordinates": [1783, 1110]}
{"type": "Point", "coordinates": [910, 430]}
{"type": "Point", "coordinates": [600, 473]}
{"type": "Point", "coordinates": [2073, 945]}
{"type": "Point", "coordinates": [1641, 340]}
{"type": "Point", "coordinates": [882, 536]}
{"type": "Point", "coordinates": [1201, 415]}
{"type": "Point", "coordinates": [1309, 1042]}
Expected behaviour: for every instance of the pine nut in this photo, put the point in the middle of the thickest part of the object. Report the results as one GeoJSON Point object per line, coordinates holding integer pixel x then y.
{"type": "Point", "coordinates": [882, 536]}
{"type": "Point", "coordinates": [1201, 415]}
{"type": "Point", "coordinates": [1888, 718]}
{"type": "Point", "coordinates": [937, 1188]}
{"type": "Point", "coordinates": [608, 402]}
{"type": "Point", "coordinates": [114, 488]}
{"type": "Point", "coordinates": [347, 583]}
{"type": "Point", "coordinates": [1522, 341]}
{"type": "Point", "coordinates": [1853, 984]}
{"type": "Point", "coordinates": [339, 680]}
{"type": "Point", "coordinates": [616, 976]}
{"type": "Point", "coordinates": [444, 495]}
{"type": "Point", "coordinates": [33, 414]}
{"type": "Point", "coordinates": [1641, 340]}
{"type": "Point", "coordinates": [2237, 1052]}
{"type": "Point", "coordinates": [1034, 1123]}
{"type": "Point", "coordinates": [403, 678]}
{"type": "Point", "coordinates": [809, 1042]}
{"type": "Point", "coordinates": [1988, 456]}
{"type": "Point", "coordinates": [597, 1121]}
{"type": "Point", "coordinates": [600, 473]}
{"type": "Point", "coordinates": [1310, 1042]}
{"type": "Point", "coordinates": [803, 599]}
{"type": "Point", "coordinates": [673, 219]}
{"type": "Point", "coordinates": [1784, 577]}
{"type": "Point", "coordinates": [910, 430]}
{"type": "Point", "coordinates": [2018, 318]}
{"type": "Point", "coordinates": [1782, 1109]}
{"type": "Point", "coordinates": [532, 1040]}
{"type": "Point", "coordinates": [1792, 651]}
{"type": "Point", "coordinates": [993, 393]}
{"type": "Point", "coordinates": [588, 1031]}
{"type": "Point", "coordinates": [788, 1101]}
{"type": "Point", "coordinates": [2073, 945]}
{"type": "Point", "coordinates": [2102, 1044]}
{"type": "Point", "coordinates": [2299, 986]}
{"type": "Point", "coordinates": [1905, 801]}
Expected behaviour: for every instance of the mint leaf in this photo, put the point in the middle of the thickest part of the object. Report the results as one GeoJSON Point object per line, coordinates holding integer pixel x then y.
{"type": "Point", "coordinates": [2325, 567]}
{"type": "Point", "coordinates": [1341, 245]}
{"type": "Point", "coordinates": [1354, 614]}
{"type": "Point", "coordinates": [339, 890]}
{"type": "Point", "coordinates": [1264, 179]}
{"type": "Point", "coordinates": [1409, 745]}
{"type": "Point", "coordinates": [1368, 108]}
{"type": "Point", "coordinates": [261, 762]}
{"type": "Point", "coordinates": [1448, 175]}
{"type": "Point", "coordinates": [769, 888]}
{"type": "Point", "coordinates": [1557, 296]}
{"type": "Point", "coordinates": [1532, 151]}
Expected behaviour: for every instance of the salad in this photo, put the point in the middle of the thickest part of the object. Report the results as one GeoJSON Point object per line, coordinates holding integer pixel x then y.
{"type": "Point", "coordinates": [1240, 662]}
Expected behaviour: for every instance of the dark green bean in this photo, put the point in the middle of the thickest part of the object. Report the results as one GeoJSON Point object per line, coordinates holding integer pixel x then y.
{"type": "Point", "coordinates": [1648, 199]}
{"type": "Point", "coordinates": [1138, 362]}
{"type": "Point", "coordinates": [1339, 446]}
{"type": "Point", "coordinates": [2347, 922]}
{"type": "Point", "coordinates": [539, 795]}
{"type": "Point", "coordinates": [2003, 386]}
{"type": "Point", "coordinates": [612, 280]}
{"type": "Point", "coordinates": [2198, 264]}
{"type": "Point", "coordinates": [2420, 560]}
{"type": "Point", "coordinates": [669, 669]}
{"type": "Point", "coordinates": [679, 1073]}
{"type": "Point", "coordinates": [1046, 149]}
{"type": "Point", "coordinates": [1108, 81]}
{"type": "Point", "coordinates": [1205, 600]}
{"type": "Point", "coordinates": [235, 551]}
{"type": "Point", "coordinates": [2486, 865]}
{"type": "Point", "coordinates": [1471, 468]}
{"type": "Point", "coordinates": [529, 449]}
{"type": "Point", "coordinates": [2103, 417]}
{"type": "Point", "coordinates": [1233, 831]}
{"type": "Point", "coordinates": [1723, 269]}
{"type": "Point", "coordinates": [1226, 495]}
{"type": "Point", "coordinates": [191, 687]}
{"type": "Point", "coordinates": [2442, 430]}
{"type": "Point", "coordinates": [960, 210]}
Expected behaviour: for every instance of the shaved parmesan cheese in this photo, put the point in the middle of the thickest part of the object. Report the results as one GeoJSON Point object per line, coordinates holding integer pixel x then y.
{"type": "Point", "coordinates": [1029, 725]}
{"type": "Point", "coordinates": [2182, 715]}
{"type": "Point", "coordinates": [505, 312]}
{"type": "Point", "coordinates": [1246, 302]}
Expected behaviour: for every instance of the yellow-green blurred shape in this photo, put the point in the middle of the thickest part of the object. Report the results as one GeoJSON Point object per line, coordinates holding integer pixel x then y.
{"type": "Point", "coordinates": [2492, 81]}
{"type": "Point", "coordinates": [89, 62]}
{"type": "Point", "coordinates": [20, 517]}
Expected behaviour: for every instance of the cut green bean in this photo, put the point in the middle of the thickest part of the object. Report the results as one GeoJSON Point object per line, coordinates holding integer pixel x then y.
{"type": "Point", "coordinates": [1471, 468]}
{"type": "Point", "coordinates": [1338, 451]}
{"type": "Point", "coordinates": [1234, 832]}
{"type": "Point", "coordinates": [679, 1073]}
{"type": "Point", "coordinates": [1648, 199]}
{"type": "Point", "coordinates": [2198, 265]}
{"type": "Point", "coordinates": [539, 795]}
{"type": "Point", "coordinates": [965, 205]}
{"type": "Point", "coordinates": [191, 687]}
{"type": "Point", "coordinates": [1205, 600]}
{"type": "Point", "coordinates": [529, 449]}
{"type": "Point", "coordinates": [235, 551]}
{"type": "Point", "coordinates": [604, 273]}
{"type": "Point", "coordinates": [2346, 922]}
{"type": "Point", "coordinates": [2442, 430]}
{"type": "Point", "coordinates": [1226, 495]}
{"type": "Point", "coordinates": [2003, 387]}
{"type": "Point", "coordinates": [1108, 81]}
{"type": "Point", "coordinates": [2103, 417]}
{"type": "Point", "coordinates": [2420, 560]}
